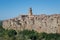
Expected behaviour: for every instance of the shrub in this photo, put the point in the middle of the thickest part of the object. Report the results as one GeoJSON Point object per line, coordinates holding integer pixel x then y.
{"type": "Point", "coordinates": [12, 33]}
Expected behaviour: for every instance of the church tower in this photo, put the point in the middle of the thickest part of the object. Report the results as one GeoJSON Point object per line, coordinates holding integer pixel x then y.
{"type": "Point", "coordinates": [30, 15]}
{"type": "Point", "coordinates": [30, 12]}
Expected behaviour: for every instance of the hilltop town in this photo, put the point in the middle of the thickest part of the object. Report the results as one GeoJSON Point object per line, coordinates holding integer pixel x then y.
{"type": "Point", "coordinates": [39, 23]}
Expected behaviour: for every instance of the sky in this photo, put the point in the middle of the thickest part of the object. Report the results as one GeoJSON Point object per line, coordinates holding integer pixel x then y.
{"type": "Point", "coordinates": [13, 8]}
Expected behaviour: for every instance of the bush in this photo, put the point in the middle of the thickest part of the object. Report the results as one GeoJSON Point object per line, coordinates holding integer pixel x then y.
{"type": "Point", "coordinates": [12, 33]}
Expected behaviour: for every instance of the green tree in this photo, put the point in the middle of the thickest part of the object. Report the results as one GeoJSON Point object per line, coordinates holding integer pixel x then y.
{"type": "Point", "coordinates": [2, 30]}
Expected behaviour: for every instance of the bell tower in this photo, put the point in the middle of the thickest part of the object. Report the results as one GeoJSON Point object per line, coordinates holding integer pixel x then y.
{"type": "Point", "coordinates": [30, 15]}
{"type": "Point", "coordinates": [30, 12]}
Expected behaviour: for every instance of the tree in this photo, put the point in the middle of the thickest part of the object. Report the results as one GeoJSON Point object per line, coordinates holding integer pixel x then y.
{"type": "Point", "coordinates": [2, 30]}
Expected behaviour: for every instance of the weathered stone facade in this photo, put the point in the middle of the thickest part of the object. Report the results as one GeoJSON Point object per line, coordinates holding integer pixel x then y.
{"type": "Point", "coordinates": [39, 23]}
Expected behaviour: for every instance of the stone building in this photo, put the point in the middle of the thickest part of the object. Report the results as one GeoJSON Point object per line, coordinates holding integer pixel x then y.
{"type": "Point", "coordinates": [39, 23]}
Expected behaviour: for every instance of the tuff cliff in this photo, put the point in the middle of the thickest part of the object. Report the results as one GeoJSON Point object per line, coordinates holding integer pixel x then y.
{"type": "Point", "coordinates": [39, 23]}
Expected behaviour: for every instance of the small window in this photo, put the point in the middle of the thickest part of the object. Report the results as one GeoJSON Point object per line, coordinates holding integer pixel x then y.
{"type": "Point", "coordinates": [45, 22]}
{"type": "Point", "coordinates": [40, 27]}
{"type": "Point", "coordinates": [52, 19]}
{"type": "Point", "coordinates": [55, 27]}
{"type": "Point", "coordinates": [25, 22]}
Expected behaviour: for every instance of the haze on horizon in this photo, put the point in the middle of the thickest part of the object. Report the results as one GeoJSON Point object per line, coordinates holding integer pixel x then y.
{"type": "Point", "coordinates": [14, 8]}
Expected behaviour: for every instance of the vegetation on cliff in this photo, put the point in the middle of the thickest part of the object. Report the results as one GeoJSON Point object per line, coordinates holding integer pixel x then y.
{"type": "Point", "coordinates": [26, 35]}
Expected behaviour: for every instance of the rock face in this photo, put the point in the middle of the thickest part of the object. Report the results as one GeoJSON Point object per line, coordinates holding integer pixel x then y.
{"type": "Point", "coordinates": [39, 23]}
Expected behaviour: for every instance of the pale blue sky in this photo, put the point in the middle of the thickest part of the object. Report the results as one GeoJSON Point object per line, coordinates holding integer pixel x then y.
{"type": "Point", "coordinates": [14, 8]}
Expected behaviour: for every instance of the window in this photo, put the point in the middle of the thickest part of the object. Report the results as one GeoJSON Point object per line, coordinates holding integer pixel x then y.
{"type": "Point", "coordinates": [40, 27]}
